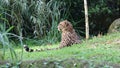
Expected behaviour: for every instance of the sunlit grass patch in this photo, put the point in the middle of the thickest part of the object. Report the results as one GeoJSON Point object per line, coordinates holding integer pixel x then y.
{"type": "Point", "coordinates": [103, 49]}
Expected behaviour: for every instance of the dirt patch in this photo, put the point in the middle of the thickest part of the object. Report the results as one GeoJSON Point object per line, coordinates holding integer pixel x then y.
{"type": "Point", "coordinates": [2, 62]}
{"type": "Point", "coordinates": [117, 41]}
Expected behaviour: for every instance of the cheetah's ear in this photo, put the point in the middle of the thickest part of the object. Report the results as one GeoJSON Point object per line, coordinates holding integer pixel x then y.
{"type": "Point", "coordinates": [66, 22]}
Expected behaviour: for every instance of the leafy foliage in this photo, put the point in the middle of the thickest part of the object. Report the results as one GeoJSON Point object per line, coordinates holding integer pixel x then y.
{"type": "Point", "coordinates": [6, 44]}
{"type": "Point", "coordinates": [34, 19]}
{"type": "Point", "coordinates": [39, 18]}
{"type": "Point", "coordinates": [101, 14]}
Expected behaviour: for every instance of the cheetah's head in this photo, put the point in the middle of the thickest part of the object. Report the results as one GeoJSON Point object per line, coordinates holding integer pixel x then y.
{"type": "Point", "coordinates": [65, 26]}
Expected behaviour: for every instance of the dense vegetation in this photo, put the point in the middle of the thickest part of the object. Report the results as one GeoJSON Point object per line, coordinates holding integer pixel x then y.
{"type": "Point", "coordinates": [22, 21]}
{"type": "Point", "coordinates": [39, 19]}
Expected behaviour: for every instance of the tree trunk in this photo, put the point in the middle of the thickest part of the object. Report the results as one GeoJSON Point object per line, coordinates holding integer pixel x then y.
{"type": "Point", "coordinates": [86, 19]}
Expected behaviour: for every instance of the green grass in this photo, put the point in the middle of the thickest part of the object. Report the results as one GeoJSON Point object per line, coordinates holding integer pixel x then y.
{"type": "Point", "coordinates": [98, 49]}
